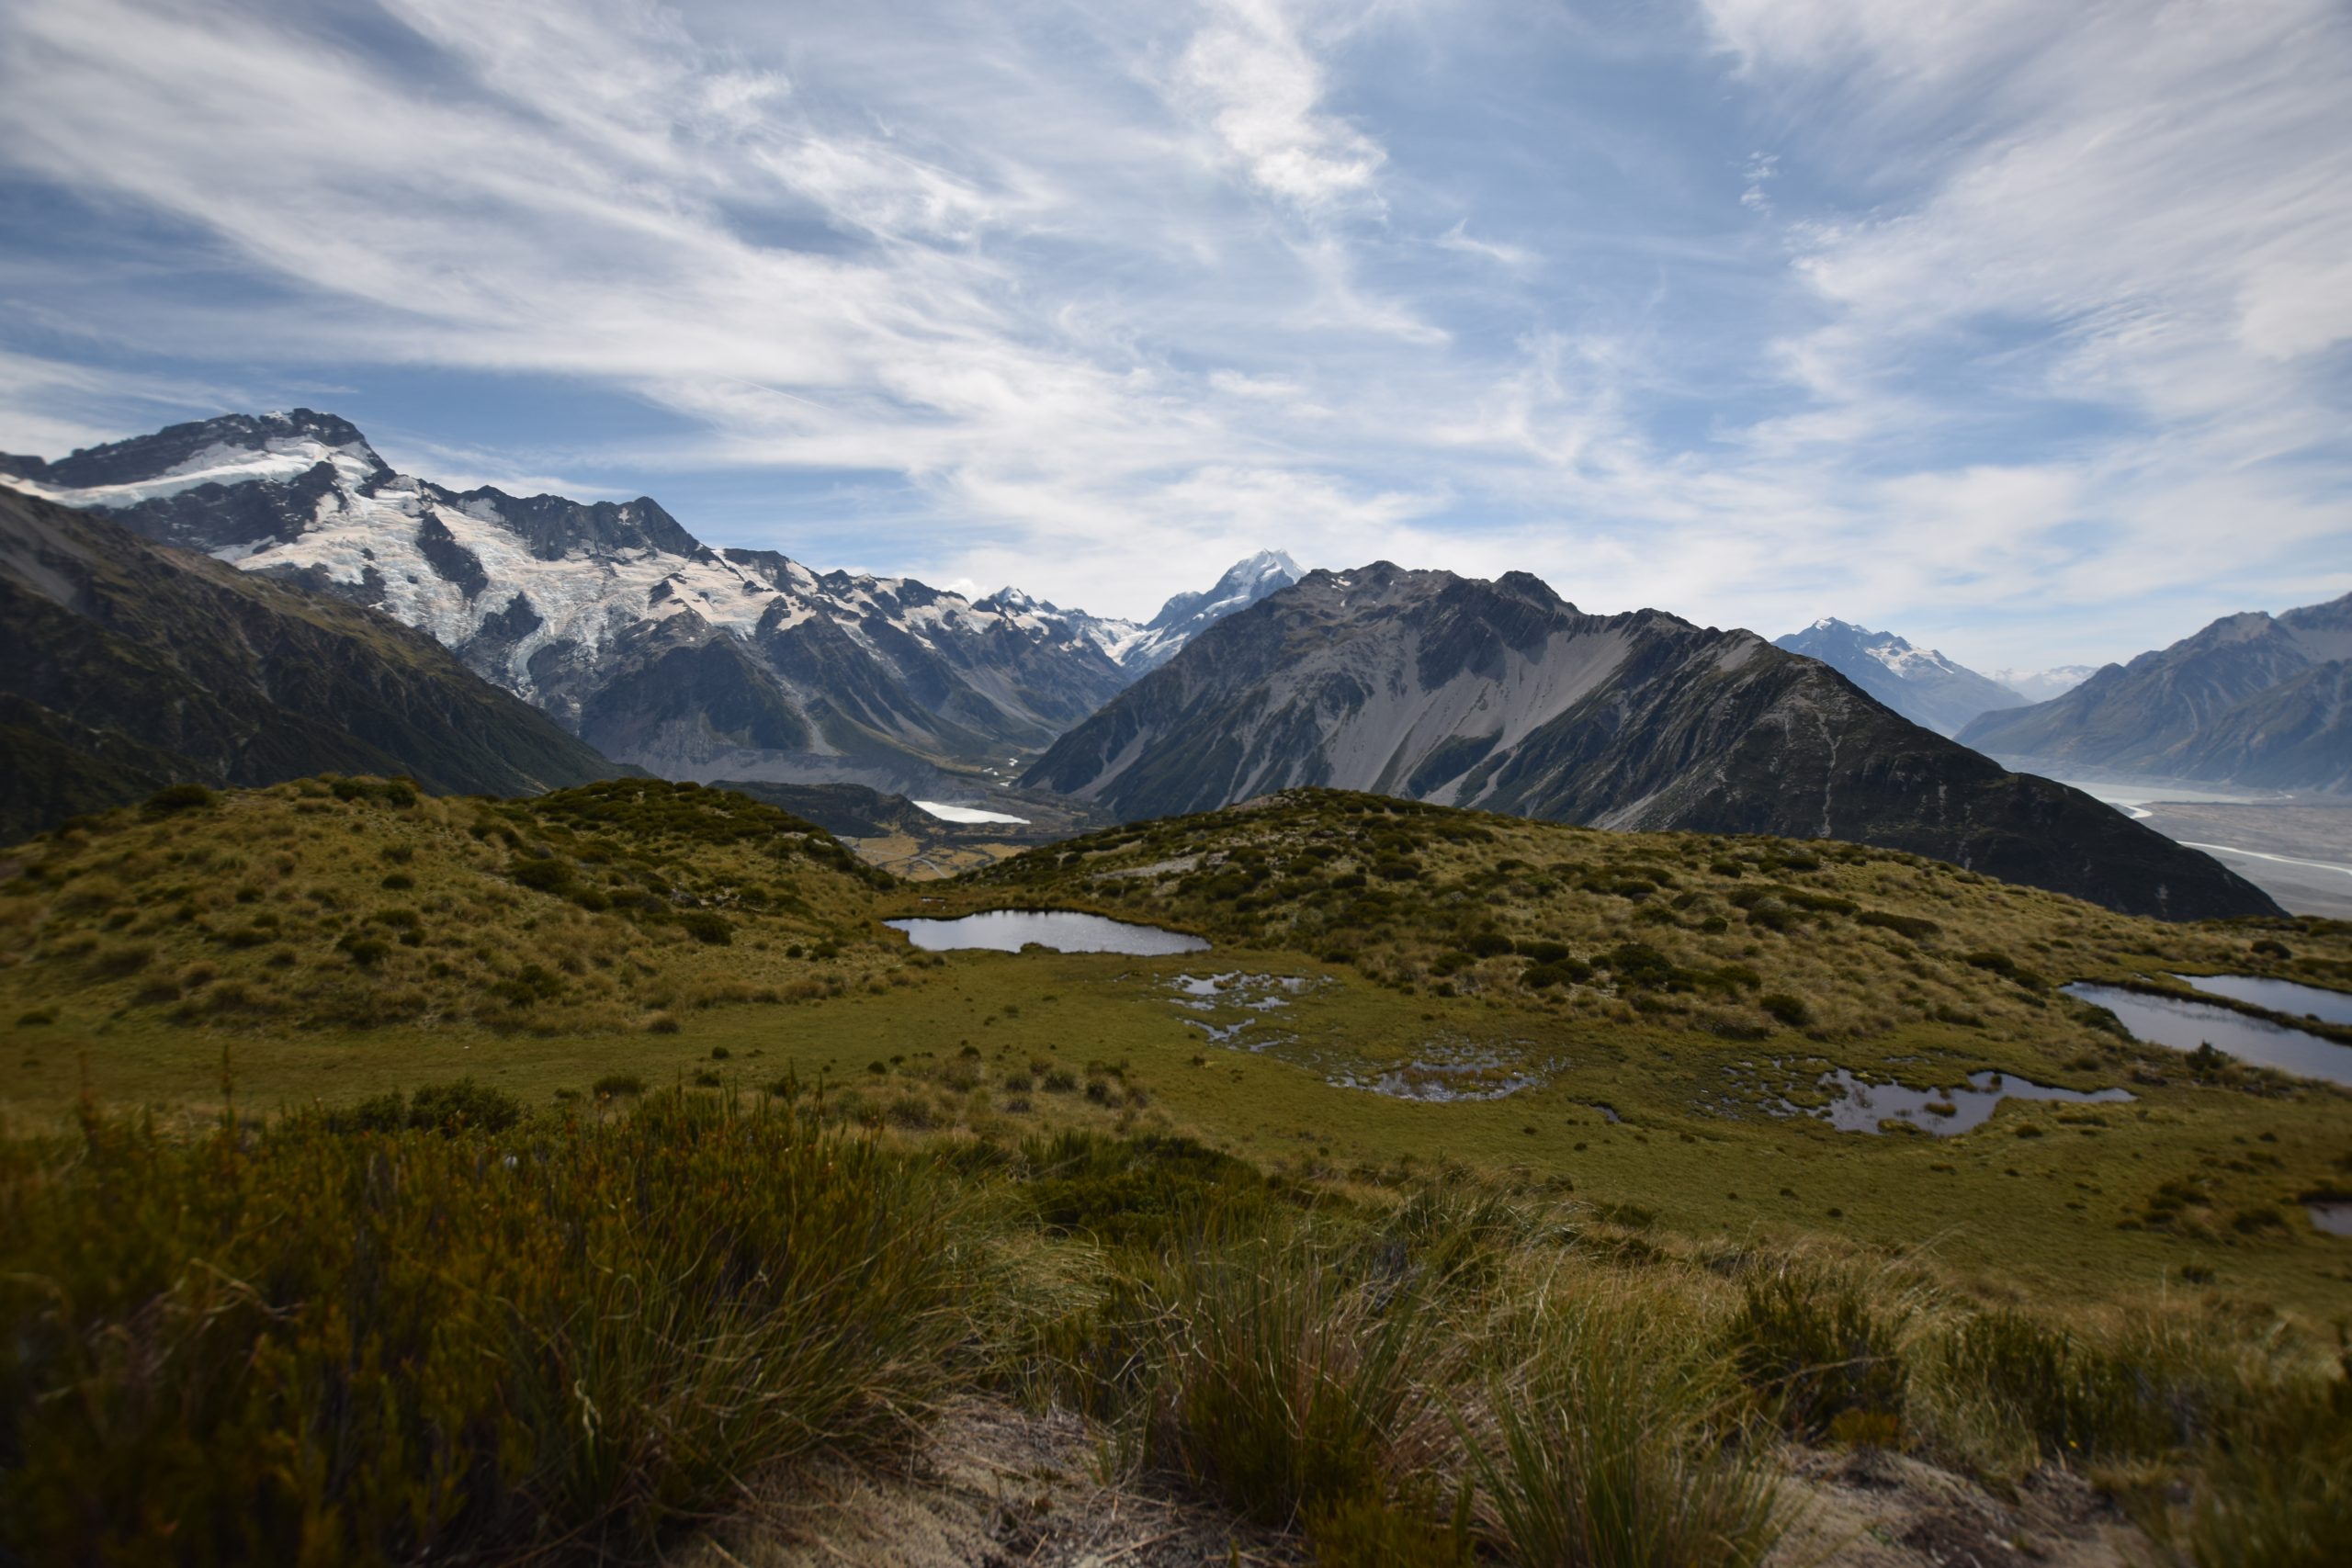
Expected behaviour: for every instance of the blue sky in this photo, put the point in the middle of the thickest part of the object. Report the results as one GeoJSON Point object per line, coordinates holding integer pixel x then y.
{"type": "Point", "coordinates": [2025, 330]}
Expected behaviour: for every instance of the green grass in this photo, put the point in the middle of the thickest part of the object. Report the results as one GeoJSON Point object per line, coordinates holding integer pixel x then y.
{"type": "Point", "coordinates": [1387, 1323]}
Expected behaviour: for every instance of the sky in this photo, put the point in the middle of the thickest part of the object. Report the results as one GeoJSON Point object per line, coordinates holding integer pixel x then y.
{"type": "Point", "coordinates": [2024, 329]}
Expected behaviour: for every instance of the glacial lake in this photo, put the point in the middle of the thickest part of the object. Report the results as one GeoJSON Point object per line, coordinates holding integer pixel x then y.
{"type": "Point", "coordinates": [2185, 1025]}
{"type": "Point", "coordinates": [2279, 996]}
{"type": "Point", "coordinates": [1860, 1107]}
{"type": "Point", "coordinates": [1064, 930]}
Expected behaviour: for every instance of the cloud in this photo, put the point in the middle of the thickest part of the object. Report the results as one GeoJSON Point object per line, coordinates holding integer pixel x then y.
{"type": "Point", "coordinates": [1249, 76]}
{"type": "Point", "coordinates": [1516, 258]}
{"type": "Point", "coordinates": [2032, 317]}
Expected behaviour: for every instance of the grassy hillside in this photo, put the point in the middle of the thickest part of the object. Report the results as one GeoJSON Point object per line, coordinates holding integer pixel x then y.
{"type": "Point", "coordinates": [1172, 1180]}
{"type": "Point", "coordinates": [344, 903]}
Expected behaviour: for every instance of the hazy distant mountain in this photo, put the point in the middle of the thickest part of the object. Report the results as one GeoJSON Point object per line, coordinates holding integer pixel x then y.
{"type": "Point", "coordinates": [611, 618]}
{"type": "Point", "coordinates": [2253, 699]}
{"type": "Point", "coordinates": [2041, 685]}
{"type": "Point", "coordinates": [124, 667]}
{"type": "Point", "coordinates": [1498, 694]}
{"type": "Point", "coordinates": [1917, 682]}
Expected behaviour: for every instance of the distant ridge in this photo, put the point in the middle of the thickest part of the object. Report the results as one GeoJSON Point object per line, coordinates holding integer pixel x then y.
{"type": "Point", "coordinates": [125, 666]}
{"type": "Point", "coordinates": [2254, 699]}
{"type": "Point", "coordinates": [1500, 695]}
{"type": "Point", "coordinates": [1917, 682]}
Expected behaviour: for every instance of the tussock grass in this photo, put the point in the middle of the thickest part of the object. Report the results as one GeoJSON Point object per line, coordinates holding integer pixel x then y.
{"type": "Point", "coordinates": [358, 903]}
{"type": "Point", "coordinates": [306, 1344]}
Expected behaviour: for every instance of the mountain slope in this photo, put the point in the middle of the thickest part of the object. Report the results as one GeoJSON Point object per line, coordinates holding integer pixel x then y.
{"type": "Point", "coordinates": [2252, 699]}
{"type": "Point", "coordinates": [1917, 682]}
{"type": "Point", "coordinates": [1500, 695]}
{"type": "Point", "coordinates": [124, 666]}
{"type": "Point", "coordinates": [615, 619]}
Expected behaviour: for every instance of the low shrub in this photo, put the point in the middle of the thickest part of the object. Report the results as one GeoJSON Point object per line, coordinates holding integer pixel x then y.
{"type": "Point", "coordinates": [303, 1346]}
{"type": "Point", "coordinates": [1138, 1191]}
{"type": "Point", "coordinates": [2074, 1398]}
{"type": "Point", "coordinates": [1813, 1346]}
{"type": "Point", "coordinates": [179, 797]}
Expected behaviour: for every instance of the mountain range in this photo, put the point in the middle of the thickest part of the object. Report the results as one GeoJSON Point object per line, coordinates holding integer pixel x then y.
{"type": "Point", "coordinates": [636, 642]}
{"type": "Point", "coordinates": [125, 666]}
{"type": "Point", "coordinates": [1917, 682]}
{"type": "Point", "coordinates": [651, 646]}
{"type": "Point", "coordinates": [2253, 700]}
{"type": "Point", "coordinates": [1502, 695]}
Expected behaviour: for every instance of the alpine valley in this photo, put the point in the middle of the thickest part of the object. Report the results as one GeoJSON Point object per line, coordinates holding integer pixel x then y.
{"type": "Point", "coordinates": [651, 646]}
{"type": "Point", "coordinates": [2254, 700]}
{"type": "Point", "coordinates": [664, 654]}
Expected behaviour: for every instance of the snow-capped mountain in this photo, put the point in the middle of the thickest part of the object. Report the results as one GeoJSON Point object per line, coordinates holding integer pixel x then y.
{"type": "Point", "coordinates": [650, 645]}
{"type": "Point", "coordinates": [1917, 682]}
{"type": "Point", "coordinates": [1186, 615]}
{"type": "Point", "coordinates": [2041, 685]}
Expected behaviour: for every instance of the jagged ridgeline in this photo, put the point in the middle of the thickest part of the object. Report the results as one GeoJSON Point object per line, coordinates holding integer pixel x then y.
{"type": "Point", "coordinates": [654, 648]}
{"type": "Point", "coordinates": [344, 902]}
{"type": "Point", "coordinates": [1502, 695]}
{"type": "Point", "coordinates": [126, 666]}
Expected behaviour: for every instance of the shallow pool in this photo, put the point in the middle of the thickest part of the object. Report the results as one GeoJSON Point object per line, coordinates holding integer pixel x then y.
{"type": "Point", "coordinates": [2279, 996]}
{"type": "Point", "coordinates": [1064, 930]}
{"type": "Point", "coordinates": [2185, 1025]}
{"type": "Point", "coordinates": [1860, 1107]}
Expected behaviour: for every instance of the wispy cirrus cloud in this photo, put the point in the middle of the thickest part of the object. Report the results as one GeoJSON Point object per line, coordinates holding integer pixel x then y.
{"type": "Point", "coordinates": [2029, 317]}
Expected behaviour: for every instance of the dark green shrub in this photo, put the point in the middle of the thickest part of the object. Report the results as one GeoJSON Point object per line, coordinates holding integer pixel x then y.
{"type": "Point", "coordinates": [300, 1347]}
{"type": "Point", "coordinates": [618, 1086]}
{"type": "Point", "coordinates": [1812, 1348]}
{"type": "Point", "coordinates": [1144, 1190]}
{"type": "Point", "coordinates": [179, 797]}
{"type": "Point", "coordinates": [1916, 927]}
{"type": "Point", "coordinates": [552, 875]}
{"type": "Point", "coordinates": [2077, 1400]}
{"type": "Point", "coordinates": [450, 1108]}
{"type": "Point", "coordinates": [366, 950]}
{"type": "Point", "coordinates": [2008, 968]}
{"type": "Point", "coordinates": [1790, 1010]}
{"type": "Point", "coordinates": [705, 926]}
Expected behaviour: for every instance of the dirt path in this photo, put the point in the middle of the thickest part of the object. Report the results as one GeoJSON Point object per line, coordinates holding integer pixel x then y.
{"type": "Point", "coordinates": [995, 1487]}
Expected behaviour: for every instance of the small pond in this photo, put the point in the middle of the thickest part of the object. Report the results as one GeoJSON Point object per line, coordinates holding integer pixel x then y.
{"type": "Point", "coordinates": [2185, 1025]}
{"type": "Point", "coordinates": [2334, 1218]}
{"type": "Point", "coordinates": [1451, 1068]}
{"type": "Point", "coordinates": [1064, 930]}
{"type": "Point", "coordinates": [1860, 1107]}
{"type": "Point", "coordinates": [2279, 996]}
